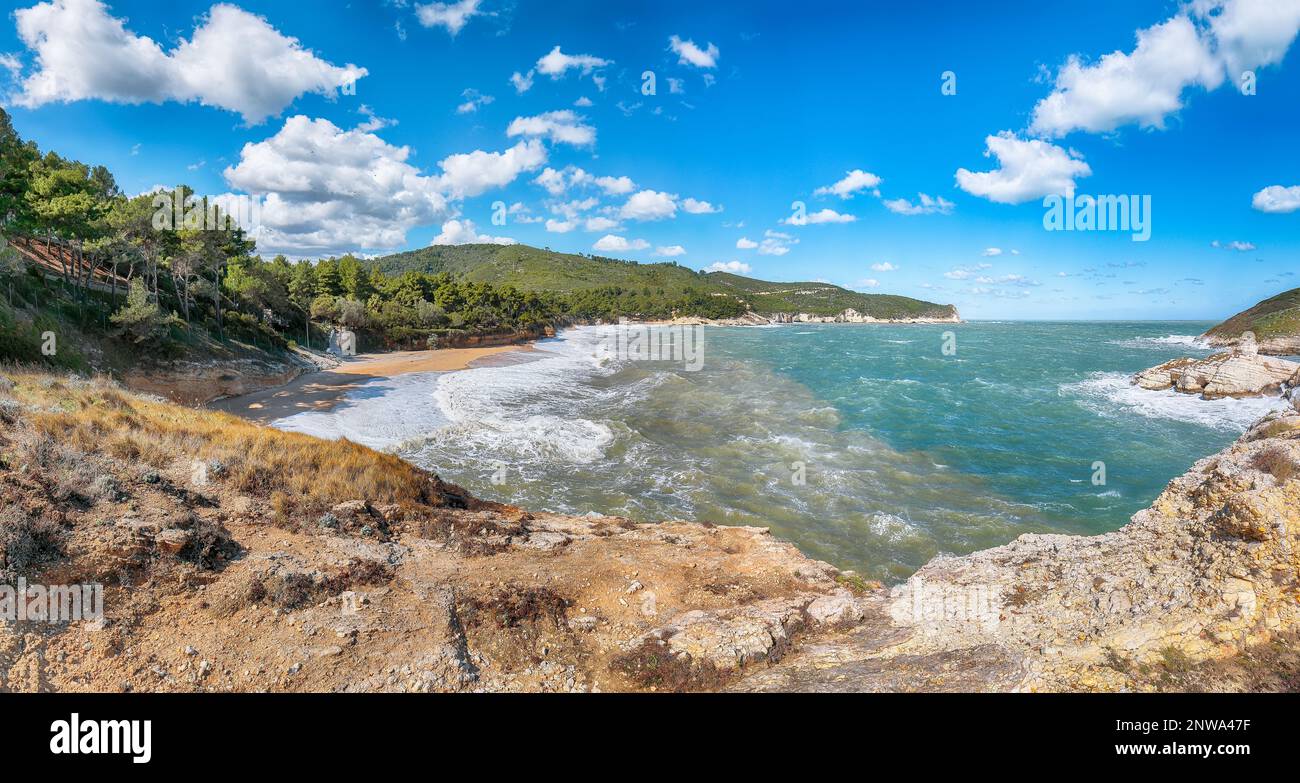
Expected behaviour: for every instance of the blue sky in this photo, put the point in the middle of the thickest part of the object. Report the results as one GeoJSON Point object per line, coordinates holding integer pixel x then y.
{"type": "Point", "coordinates": [756, 106]}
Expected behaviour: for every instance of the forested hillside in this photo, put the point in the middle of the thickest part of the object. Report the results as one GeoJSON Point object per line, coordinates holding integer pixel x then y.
{"type": "Point", "coordinates": [645, 288]}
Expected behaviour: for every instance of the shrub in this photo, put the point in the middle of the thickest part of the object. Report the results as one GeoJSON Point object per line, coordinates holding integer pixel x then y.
{"type": "Point", "coordinates": [654, 666]}
{"type": "Point", "coordinates": [26, 542]}
{"type": "Point", "coordinates": [1276, 461]}
{"type": "Point", "coordinates": [141, 320]}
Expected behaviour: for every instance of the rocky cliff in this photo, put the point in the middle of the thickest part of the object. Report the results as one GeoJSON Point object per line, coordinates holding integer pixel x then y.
{"type": "Point", "coordinates": [234, 557]}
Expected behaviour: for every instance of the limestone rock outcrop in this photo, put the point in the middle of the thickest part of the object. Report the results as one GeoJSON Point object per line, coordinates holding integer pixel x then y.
{"type": "Point", "coordinates": [1242, 372]}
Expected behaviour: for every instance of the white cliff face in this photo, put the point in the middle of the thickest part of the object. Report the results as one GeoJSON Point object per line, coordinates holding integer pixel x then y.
{"type": "Point", "coordinates": [1241, 373]}
{"type": "Point", "coordinates": [851, 316]}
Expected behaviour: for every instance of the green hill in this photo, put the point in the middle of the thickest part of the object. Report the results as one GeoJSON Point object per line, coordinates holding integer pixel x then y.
{"type": "Point", "coordinates": [535, 269]}
{"type": "Point", "coordinates": [1275, 322]}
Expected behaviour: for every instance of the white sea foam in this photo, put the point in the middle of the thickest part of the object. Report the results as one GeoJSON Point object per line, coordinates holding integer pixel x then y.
{"type": "Point", "coordinates": [1111, 394]}
{"type": "Point", "coordinates": [525, 411]}
{"type": "Point", "coordinates": [890, 527]}
{"type": "Point", "coordinates": [380, 413]}
{"type": "Point", "coordinates": [1168, 341]}
{"type": "Point", "coordinates": [510, 412]}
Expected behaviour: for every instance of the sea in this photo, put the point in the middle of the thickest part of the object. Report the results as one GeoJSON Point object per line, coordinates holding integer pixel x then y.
{"type": "Point", "coordinates": [873, 447]}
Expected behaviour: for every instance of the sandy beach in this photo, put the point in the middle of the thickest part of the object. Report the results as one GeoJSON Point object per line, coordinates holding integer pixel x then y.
{"type": "Point", "coordinates": [318, 391]}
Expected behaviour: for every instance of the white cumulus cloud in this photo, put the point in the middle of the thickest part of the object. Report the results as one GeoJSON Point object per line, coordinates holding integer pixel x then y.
{"type": "Point", "coordinates": [329, 190]}
{"type": "Point", "coordinates": [1027, 169]}
{"type": "Point", "coordinates": [453, 16]}
{"type": "Point", "coordinates": [697, 207]}
{"type": "Point", "coordinates": [473, 100]}
{"type": "Point", "coordinates": [688, 53]}
{"type": "Point", "coordinates": [649, 205]}
{"type": "Point", "coordinates": [925, 205]}
{"type": "Point", "coordinates": [776, 243]}
{"type": "Point", "coordinates": [233, 60]}
{"type": "Point", "coordinates": [616, 186]}
{"type": "Point", "coordinates": [599, 223]}
{"type": "Point", "coordinates": [556, 63]}
{"type": "Point", "coordinates": [734, 267]}
{"type": "Point", "coordinates": [468, 174]}
{"type": "Point", "coordinates": [853, 182]}
{"type": "Point", "coordinates": [816, 218]}
{"type": "Point", "coordinates": [522, 82]}
{"type": "Point", "coordinates": [612, 243]}
{"type": "Point", "coordinates": [462, 232]}
{"type": "Point", "coordinates": [1276, 198]}
{"type": "Point", "coordinates": [1141, 87]}
{"type": "Point", "coordinates": [1204, 44]}
{"type": "Point", "coordinates": [563, 126]}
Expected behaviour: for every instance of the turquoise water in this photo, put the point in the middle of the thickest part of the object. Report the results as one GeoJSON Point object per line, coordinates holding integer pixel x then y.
{"type": "Point", "coordinates": [866, 445]}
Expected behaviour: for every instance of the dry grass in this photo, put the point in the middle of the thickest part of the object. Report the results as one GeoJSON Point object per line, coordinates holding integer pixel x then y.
{"type": "Point", "coordinates": [1276, 461]}
{"type": "Point", "coordinates": [653, 666]}
{"type": "Point", "coordinates": [96, 417]}
{"type": "Point", "coordinates": [26, 542]}
{"type": "Point", "coordinates": [513, 606]}
{"type": "Point", "coordinates": [297, 589]}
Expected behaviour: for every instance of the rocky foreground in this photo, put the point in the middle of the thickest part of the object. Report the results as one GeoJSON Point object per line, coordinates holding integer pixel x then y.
{"type": "Point", "coordinates": [238, 558]}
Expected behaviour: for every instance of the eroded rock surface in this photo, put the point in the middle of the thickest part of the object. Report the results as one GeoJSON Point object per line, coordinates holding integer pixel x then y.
{"type": "Point", "coordinates": [1240, 373]}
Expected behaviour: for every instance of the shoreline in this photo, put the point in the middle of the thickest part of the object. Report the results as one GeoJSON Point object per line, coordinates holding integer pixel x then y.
{"type": "Point", "coordinates": [323, 389]}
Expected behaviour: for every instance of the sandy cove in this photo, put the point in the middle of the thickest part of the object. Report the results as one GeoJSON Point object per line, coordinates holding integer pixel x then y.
{"type": "Point", "coordinates": [322, 390]}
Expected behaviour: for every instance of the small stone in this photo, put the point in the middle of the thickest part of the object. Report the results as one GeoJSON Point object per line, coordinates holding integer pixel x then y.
{"type": "Point", "coordinates": [172, 540]}
{"type": "Point", "coordinates": [585, 623]}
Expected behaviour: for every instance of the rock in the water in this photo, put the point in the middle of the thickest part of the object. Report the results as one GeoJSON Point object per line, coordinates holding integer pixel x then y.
{"type": "Point", "coordinates": [1162, 376]}
{"type": "Point", "coordinates": [1238, 374]}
